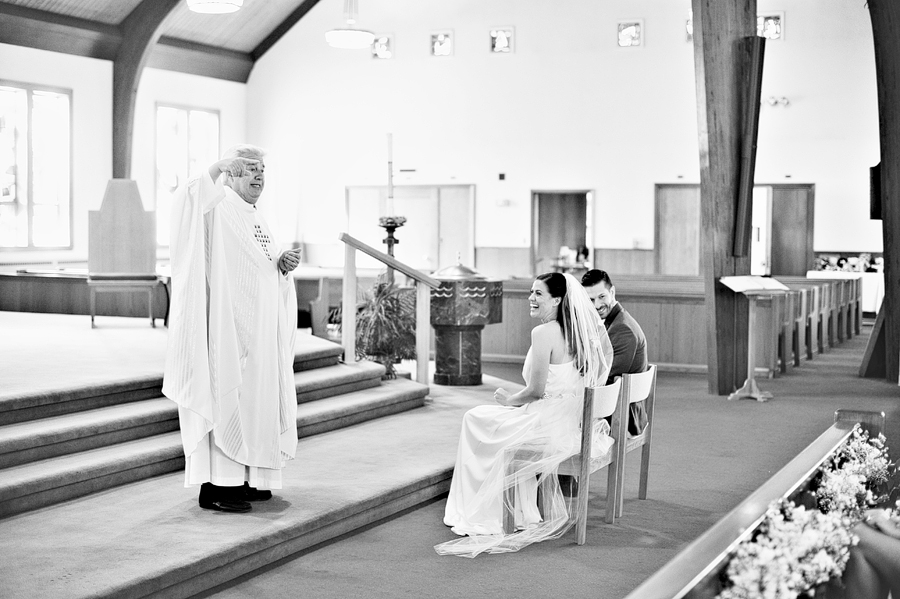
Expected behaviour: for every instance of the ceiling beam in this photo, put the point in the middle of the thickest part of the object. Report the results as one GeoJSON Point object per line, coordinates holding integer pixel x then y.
{"type": "Point", "coordinates": [172, 54]}
{"type": "Point", "coordinates": [140, 31]}
{"type": "Point", "coordinates": [43, 30]}
{"type": "Point", "coordinates": [282, 29]}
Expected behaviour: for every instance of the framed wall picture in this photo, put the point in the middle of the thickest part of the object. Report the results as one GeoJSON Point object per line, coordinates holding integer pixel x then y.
{"type": "Point", "coordinates": [442, 43]}
{"type": "Point", "coordinates": [383, 46]}
{"type": "Point", "coordinates": [770, 25]}
{"type": "Point", "coordinates": [502, 40]}
{"type": "Point", "coordinates": [630, 33]}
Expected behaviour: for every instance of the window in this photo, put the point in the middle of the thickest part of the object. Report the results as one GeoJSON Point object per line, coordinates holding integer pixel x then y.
{"type": "Point", "coordinates": [187, 142]}
{"type": "Point", "coordinates": [35, 167]}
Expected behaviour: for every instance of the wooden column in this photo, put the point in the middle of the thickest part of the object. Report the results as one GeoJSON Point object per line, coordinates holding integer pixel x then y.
{"type": "Point", "coordinates": [720, 64]}
{"type": "Point", "coordinates": [140, 30]}
{"type": "Point", "coordinates": [885, 16]}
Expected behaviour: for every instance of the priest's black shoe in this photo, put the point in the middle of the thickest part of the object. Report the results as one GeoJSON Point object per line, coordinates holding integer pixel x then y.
{"type": "Point", "coordinates": [223, 499]}
{"type": "Point", "coordinates": [254, 494]}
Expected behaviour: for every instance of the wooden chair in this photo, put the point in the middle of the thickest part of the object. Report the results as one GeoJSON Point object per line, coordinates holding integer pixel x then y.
{"type": "Point", "coordinates": [599, 402]}
{"type": "Point", "coordinates": [635, 388]}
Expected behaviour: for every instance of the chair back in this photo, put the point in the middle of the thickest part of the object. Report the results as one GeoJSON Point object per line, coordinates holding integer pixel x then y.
{"type": "Point", "coordinates": [604, 399]}
{"type": "Point", "coordinates": [641, 385]}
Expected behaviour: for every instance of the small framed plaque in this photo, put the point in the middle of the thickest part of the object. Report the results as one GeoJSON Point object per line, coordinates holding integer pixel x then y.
{"type": "Point", "coordinates": [442, 43]}
{"type": "Point", "coordinates": [502, 40]}
{"type": "Point", "coordinates": [630, 33]}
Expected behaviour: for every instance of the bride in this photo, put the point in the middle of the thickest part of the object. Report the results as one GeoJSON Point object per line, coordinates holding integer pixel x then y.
{"type": "Point", "coordinates": [569, 349]}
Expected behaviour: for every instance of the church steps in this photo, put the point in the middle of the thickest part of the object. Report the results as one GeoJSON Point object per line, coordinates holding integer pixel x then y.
{"type": "Point", "coordinates": [334, 380]}
{"type": "Point", "coordinates": [25, 407]}
{"type": "Point", "coordinates": [28, 441]}
{"type": "Point", "coordinates": [313, 353]}
{"type": "Point", "coordinates": [70, 433]}
{"type": "Point", "coordinates": [61, 458]}
{"type": "Point", "coordinates": [348, 409]}
{"type": "Point", "coordinates": [45, 482]}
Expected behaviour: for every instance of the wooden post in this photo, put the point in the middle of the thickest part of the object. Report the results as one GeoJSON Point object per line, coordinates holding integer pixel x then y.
{"type": "Point", "coordinates": [885, 16]}
{"type": "Point", "coordinates": [348, 305]}
{"type": "Point", "coordinates": [720, 62]}
{"type": "Point", "coordinates": [423, 331]}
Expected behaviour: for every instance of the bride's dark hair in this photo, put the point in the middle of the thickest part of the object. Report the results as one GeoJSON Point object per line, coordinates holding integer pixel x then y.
{"type": "Point", "coordinates": [558, 287]}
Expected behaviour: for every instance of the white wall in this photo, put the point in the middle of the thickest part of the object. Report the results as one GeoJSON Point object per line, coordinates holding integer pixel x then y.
{"type": "Point", "coordinates": [567, 110]}
{"type": "Point", "coordinates": [187, 91]}
{"type": "Point", "coordinates": [91, 83]}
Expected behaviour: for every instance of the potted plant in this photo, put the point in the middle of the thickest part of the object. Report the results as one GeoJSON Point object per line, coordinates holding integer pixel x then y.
{"type": "Point", "coordinates": [386, 325]}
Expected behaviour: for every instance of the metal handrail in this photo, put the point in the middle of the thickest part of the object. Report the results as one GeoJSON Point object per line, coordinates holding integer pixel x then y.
{"type": "Point", "coordinates": [423, 282]}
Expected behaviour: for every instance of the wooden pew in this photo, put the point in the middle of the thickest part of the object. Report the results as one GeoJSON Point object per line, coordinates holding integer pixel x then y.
{"type": "Point", "coordinates": [695, 573]}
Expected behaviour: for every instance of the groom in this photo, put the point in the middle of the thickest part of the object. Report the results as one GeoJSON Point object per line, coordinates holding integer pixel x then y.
{"type": "Point", "coordinates": [628, 341]}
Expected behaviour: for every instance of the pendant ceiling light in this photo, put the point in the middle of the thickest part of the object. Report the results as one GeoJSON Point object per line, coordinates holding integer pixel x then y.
{"type": "Point", "coordinates": [349, 37]}
{"type": "Point", "coordinates": [215, 7]}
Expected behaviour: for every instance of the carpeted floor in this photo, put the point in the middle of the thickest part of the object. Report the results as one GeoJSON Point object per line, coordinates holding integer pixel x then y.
{"type": "Point", "coordinates": [708, 455]}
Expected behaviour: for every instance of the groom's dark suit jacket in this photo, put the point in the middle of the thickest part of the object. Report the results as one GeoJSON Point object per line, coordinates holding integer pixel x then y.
{"type": "Point", "coordinates": [629, 357]}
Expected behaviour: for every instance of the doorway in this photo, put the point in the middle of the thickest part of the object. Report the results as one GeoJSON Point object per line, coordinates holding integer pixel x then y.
{"type": "Point", "coordinates": [678, 230]}
{"type": "Point", "coordinates": [782, 235]}
{"type": "Point", "coordinates": [439, 228]}
{"type": "Point", "coordinates": [560, 219]}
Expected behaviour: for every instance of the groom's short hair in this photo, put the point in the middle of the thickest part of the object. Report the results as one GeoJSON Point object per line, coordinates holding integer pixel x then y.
{"type": "Point", "coordinates": [596, 276]}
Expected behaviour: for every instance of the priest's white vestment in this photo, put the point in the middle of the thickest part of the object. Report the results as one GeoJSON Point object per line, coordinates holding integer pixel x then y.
{"type": "Point", "coordinates": [230, 355]}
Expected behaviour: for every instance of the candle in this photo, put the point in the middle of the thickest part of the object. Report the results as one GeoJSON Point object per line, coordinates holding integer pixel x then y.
{"type": "Point", "coordinates": [390, 198]}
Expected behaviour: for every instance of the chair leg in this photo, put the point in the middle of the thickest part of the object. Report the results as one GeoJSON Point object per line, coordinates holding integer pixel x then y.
{"type": "Point", "coordinates": [611, 495]}
{"type": "Point", "coordinates": [581, 509]}
{"type": "Point", "coordinates": [645, 470]}
{"type": "Point", "coordinates": [509, 509]}
{"type": "Point", "coordinates": [620, 493]}
{"type": "Point", "coordinates": [795, 345]}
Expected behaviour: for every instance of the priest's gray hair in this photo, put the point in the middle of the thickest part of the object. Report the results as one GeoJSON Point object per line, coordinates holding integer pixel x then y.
{"type": "Point", "coordinates": [245, 151]}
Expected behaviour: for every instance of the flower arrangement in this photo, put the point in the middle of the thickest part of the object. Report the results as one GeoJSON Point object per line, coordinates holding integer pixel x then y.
{"type": "Point", "coordinates": [798, 547]}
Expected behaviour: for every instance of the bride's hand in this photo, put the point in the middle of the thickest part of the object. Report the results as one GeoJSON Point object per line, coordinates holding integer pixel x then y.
{"type": "Point", "coordinates": [501, 396]}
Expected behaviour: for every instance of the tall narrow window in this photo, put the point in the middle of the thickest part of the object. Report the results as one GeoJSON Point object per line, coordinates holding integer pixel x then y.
{"type": "Point", "coordinates": [187, 141]}
{"type": "Point", "coordinates": [35, 167]}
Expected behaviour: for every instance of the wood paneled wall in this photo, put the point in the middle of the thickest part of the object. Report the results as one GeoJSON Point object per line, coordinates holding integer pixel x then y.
{"type": "Point", "coordinates": [503, 263]}
{"type": "Point", "coordinates": [625, 262]}
{"type": "Point", "coordinates": [59, 294]}
{"type": "Point", "coordinates": [670, 310]}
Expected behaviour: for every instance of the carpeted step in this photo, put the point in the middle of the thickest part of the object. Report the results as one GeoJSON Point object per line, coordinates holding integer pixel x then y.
{"type": "Point", "coordinates": [34, 440]}
{"type": "Point", "coordinates": [344, 410]}
{"type": "Point", "coordinates": [151, 539]}
{"type": "Point", "coordinates": [334, 380]}
{"type": "Point", "coordinates": [72, 433]}
{"type": "Point", "coordinates": [310, 353]}
{"type": "Point", "coordinates": [45, 482]}
{"type": "Point", "coordinates": [31, 485]}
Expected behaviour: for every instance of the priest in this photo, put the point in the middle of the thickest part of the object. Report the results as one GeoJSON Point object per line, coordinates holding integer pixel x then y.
{"type": "Point", "coordinates": [233, 317]}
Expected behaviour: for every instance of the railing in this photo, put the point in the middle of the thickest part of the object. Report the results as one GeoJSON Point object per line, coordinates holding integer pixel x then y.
{"type": "Point", "coordinates": [423, 302]}
{"type": "Point", "coordinates": [695, 572]}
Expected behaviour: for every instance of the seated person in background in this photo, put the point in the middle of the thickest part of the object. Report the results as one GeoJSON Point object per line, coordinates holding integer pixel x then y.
{"type": "Point", "coordinates": [874, 566]}
{"type": "Point", "coordinates": [628, 341]}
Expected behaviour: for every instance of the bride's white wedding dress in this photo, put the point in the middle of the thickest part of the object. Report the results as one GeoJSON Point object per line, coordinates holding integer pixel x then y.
{"type": "Point", "coordinates": [485, 466]}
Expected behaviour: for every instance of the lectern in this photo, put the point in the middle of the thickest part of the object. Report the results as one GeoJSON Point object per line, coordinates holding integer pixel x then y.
{"type": "Point", "coordinates": [122, 245]}
{"type": "Point", "coordinates": [753, 287]}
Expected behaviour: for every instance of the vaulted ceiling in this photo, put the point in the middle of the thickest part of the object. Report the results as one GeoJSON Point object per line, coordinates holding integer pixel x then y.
{"type": "Point", "coordinates": [221, 46]}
